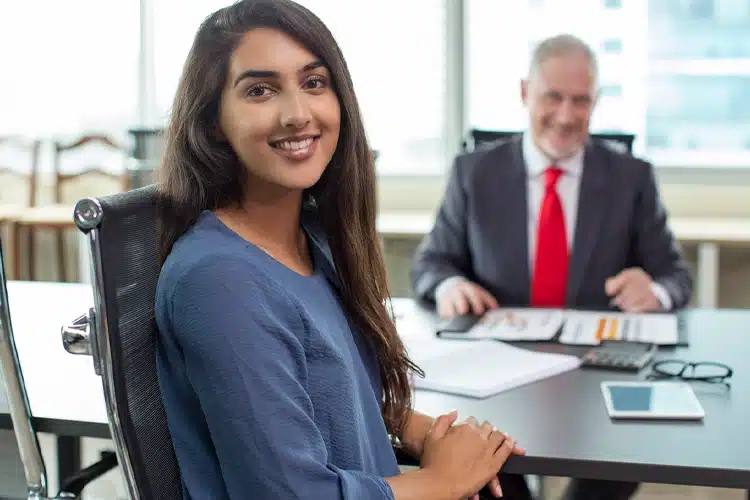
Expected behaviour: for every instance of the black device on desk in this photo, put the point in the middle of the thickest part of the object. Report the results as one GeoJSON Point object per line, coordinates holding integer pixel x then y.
{"type": "Point", "coordinates": [457, 324]}
{"type": "Point", "coordinates": [619, 355]}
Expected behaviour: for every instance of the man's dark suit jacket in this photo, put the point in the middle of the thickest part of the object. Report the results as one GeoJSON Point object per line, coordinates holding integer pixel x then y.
{"type": "Point", "coordinates": [481, 229]}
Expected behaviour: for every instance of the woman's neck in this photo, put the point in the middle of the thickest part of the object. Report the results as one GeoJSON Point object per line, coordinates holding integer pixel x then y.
{"type": "Point", "coordinates": [273, 225]}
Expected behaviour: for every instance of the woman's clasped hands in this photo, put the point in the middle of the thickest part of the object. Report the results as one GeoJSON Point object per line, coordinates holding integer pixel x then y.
{"type": "Point", "coordinates": [466, 456]}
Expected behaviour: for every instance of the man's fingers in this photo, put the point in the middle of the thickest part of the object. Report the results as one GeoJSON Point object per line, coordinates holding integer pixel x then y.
{"type": "Point", "coordinates": [480, 299]}
{"type": "Point", "coordinates": [634, 297]}
{"type": "Point", "coordinates": [446, 309]}
{"type": "Point", "coordinates": [615, 284]}
{"type": "Point", "coordinates": [644, 304]}
{"type": "Point", "coordinates": [460, 303]}
{"type": "Point", "coordinates": [475, 299]}
{"type": "Point", "coordinates": [487, 298]}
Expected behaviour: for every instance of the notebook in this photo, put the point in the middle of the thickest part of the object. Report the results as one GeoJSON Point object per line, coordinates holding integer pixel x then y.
{"type": "Point", "coordinates": [483, 368]}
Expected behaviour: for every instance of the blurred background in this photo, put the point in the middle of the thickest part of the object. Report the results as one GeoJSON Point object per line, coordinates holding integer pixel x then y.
{"type": "Point", "coordinates": [86, 88]}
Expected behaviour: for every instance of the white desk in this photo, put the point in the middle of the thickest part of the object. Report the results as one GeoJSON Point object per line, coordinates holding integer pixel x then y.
{"type": "Point", "coordinates": [56, 381]}
{"type": "Point", "coordinates": [709, 234]}
{"type": "Point", "coordinates": [406, 225]}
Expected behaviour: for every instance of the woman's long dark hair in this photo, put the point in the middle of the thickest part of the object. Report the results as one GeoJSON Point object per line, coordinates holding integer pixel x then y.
{"type": "Point", "coordinates": [200, 171]}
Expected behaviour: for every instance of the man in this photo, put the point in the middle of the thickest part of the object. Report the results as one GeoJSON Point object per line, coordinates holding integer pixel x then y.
{"type": "Point", "coordinates": [553, 218]}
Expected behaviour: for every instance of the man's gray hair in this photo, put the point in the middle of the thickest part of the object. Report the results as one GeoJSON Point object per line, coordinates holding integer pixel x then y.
{"type": "Point", "coordinates": [560, 46]}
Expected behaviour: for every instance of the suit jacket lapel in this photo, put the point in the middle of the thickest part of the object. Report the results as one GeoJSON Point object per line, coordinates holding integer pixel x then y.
{"type": "Point", "coordinates": [592, 208]}
{"type": "Point", "coordinates": [512, 216]}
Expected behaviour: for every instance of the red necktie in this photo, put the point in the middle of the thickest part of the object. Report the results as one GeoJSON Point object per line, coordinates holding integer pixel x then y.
{"type": "Point", "coordinates": [551, 261]}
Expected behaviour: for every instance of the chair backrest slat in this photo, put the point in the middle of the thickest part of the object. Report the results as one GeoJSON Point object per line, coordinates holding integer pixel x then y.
{"type": "Point", "coordinates": [482, 137]}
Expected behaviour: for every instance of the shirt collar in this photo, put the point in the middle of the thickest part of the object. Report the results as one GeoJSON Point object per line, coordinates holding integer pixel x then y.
{"type": "Point", "coordinates": [537, 162]}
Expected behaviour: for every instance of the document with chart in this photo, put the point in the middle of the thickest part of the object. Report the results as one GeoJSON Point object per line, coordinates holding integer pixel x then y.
{"type": "Point", "coordinates": [590, 328]}
{"type": "Point", "coordinates": [514, 325]}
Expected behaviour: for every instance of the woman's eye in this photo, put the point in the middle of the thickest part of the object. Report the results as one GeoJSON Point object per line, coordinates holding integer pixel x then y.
{"type": "Point", "coordinates": [258, 91]}
{"type": "Point", "coordinates": [316, 82]}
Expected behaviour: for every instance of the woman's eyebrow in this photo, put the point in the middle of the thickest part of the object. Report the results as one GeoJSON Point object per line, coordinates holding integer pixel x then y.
{"type": "Point", "coordinates": [267, 73]}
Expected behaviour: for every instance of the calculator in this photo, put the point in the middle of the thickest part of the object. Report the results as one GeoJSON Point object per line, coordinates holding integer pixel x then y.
{"type": "Point", "coordinates": [619, 355]}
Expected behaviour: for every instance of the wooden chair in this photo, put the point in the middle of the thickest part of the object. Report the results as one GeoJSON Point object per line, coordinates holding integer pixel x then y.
{"type": "Point", "coordinates": [19, 163]}
{"type": "Point", "coordinates": [97, 167]}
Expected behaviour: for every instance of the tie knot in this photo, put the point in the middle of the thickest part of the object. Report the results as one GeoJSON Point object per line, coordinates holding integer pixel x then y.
{"type": "Point", "coordinates": [551, 176]}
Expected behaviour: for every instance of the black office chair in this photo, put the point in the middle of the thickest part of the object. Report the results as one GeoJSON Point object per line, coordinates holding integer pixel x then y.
{"type": "Point", "coordinates": [478, 137]}
{"type": "Point", "coordinates": [22, 419]}
{"type": "Point", "coordinates": [120, 333]}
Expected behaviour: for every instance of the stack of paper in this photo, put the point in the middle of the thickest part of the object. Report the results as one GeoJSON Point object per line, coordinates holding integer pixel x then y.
{"type": "Point", "coordinates": [483, 368]}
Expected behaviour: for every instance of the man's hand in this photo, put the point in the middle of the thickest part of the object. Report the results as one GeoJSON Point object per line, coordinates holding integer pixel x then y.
{"type": "Point", "coordinates": [463, 297]}
{"type": "Point", "coordinates": [632, 291]}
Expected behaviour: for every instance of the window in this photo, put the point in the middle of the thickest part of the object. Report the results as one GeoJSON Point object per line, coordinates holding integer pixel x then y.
{"type": "Point", "coordinates": [397, 66]}
{"type": "Point", "coordinates": [612, 46]}
{"type": "Point", "coordinates": [674, 72]}
{"type": "Point", "coordinates": [613, 90]}
{"type": "Point", "coordinates": [175, 25]}
{"type": "Point", "coordinates": [74, 71]}
{"type": "Point", "coordinates": [699, 72]}
{"type": "Point", "coordinates": [493, 86]}
{"type": "Point", "coordinates": [701, 9]}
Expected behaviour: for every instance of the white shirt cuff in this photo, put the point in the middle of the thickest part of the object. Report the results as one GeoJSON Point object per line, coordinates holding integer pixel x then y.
{"type": "Point", "coordinates": [663, 295]}
{"type": "Point", "coordinates": [445, 285]}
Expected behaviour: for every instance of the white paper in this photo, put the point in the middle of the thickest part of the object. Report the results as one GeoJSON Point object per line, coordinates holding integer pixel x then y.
{"type": "Point", "coordinates": [515, 325]}
{"type": "Point", "coordinates": [485, 367]}
{"type": "Point", "coordinates": [590, 328]}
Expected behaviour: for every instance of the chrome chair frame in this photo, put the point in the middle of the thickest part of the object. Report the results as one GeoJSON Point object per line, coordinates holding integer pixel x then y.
{"type": "Point", "coordinates": [88, 335]}
{"type": "Point", "coordinates": [21, 417]}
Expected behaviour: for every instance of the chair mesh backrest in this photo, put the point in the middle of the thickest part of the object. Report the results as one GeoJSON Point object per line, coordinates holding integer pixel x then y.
{"type": "Point", "coordinates": [131, 268]}
{"type": "Point", "coordinates": [480, 137]}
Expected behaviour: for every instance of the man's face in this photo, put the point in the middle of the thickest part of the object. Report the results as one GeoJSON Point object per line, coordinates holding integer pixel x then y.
{"type": "Point", "coordinates": [560, 97]}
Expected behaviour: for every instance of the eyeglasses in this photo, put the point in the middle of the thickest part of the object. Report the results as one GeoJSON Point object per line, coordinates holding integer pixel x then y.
{"type": "Point", "coordinates": [704, 371]}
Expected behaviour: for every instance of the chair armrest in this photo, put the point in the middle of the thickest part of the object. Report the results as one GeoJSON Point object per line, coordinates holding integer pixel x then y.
{"type": "Point", "coordinates": [74, 485]}
{"type": "Point", "coordinates": [79, 337]}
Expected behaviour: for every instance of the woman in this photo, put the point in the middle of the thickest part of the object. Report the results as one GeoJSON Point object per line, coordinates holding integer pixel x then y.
{"type": "Point", "coordinates": [280, 367]}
